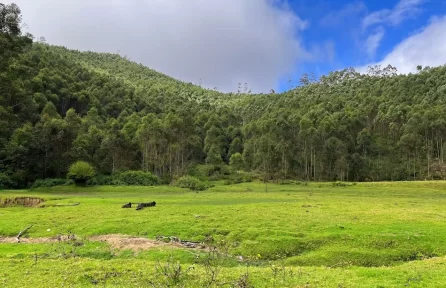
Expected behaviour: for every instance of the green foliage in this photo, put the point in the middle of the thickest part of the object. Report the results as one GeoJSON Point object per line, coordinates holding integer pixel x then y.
{"type": "Point", "coordinates": [214, 156]}
{"type": "Point", "coordinates": [342, 184]}
{"type": "Point", "coordinates": [50, 182]}
{"type": "Point", "coordinates": [170, 274]}
{"type": "Point", "coordinates": [212, 172]}
{"type": "Point", "coordinates": [80, 172]}
{"type": "Point", "coordinates": [192, 183]}
{"type": "Point", "coordinates": [6, 181]}
{"type": "Point", "coordinates": [238, 177]}
{"type": "Point", "coordinates": [292, 182]}
{"type": "Point", "coordinates": [137, 178]}
{"type": "Point", "coordinates": [104, 180]}
{"type": "Point", "coordinates": [236, 161]}
{"type": "Point", "coordinates": [59, 106]}
{"type": "Point", "coordinates": [128, 178]}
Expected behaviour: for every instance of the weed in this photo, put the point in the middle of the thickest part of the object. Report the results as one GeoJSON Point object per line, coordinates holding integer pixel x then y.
{"type": "Point", "coordinates": [170, 274]}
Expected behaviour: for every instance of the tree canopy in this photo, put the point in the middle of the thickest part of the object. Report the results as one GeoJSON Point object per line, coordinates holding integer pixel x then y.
{"type": "Point", "coordinates": [59, 106]}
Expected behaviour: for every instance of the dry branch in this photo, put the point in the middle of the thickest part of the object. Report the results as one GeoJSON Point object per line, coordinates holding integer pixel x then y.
{"type": "Point", "coordinates": [60, 205]}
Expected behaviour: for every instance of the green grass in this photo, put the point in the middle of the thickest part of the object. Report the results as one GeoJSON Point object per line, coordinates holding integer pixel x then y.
{"type": "Point", "coordinates": [366, 235]}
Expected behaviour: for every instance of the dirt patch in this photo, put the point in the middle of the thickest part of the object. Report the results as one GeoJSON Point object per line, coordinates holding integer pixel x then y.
{"type": "Point", "coordinates": [21, 201]}
{"type": "Point", "coordinates": [35, 240]}
{"type": "Point", "coordinates": [122, 242]}
{"type": "Point", "coordinates": [116, 241]}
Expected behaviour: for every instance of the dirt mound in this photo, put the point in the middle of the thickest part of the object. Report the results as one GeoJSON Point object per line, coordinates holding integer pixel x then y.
{"type": "Point", "coordinates": [21, 201]}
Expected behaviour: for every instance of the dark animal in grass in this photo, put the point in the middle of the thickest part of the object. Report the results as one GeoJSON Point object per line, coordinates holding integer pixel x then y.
{"type": "Point", "coordinates": [128, 205]}
{"type": "Point", "coordinates": [143, 205]}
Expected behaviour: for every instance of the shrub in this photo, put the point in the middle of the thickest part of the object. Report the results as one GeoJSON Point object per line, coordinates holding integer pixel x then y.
{"type": "Point", "coordinates": [6, 181]}
{"type": "Point", "coordinates": [102, 180]}
{"type": "Point", "coordinates": [80, 172]}
{"type": "Point", "coordinates": [292, 182]}
{"type": "Point", "coordinates": [212, 172]}
{"type": "Point", "coordinates": [69, 182]}
{"type": "Point", "coordinates": [138, 178]}
{"type": "Point", "coordinates": [239, 177]}
{"type": "Point", "coordinates": [191, 183]}
{"type": "Point", "coordinates": [49, 182]}
{"type": "Point", "coordinates": [128, 178]}
{"type": "Point", "coordinates": [342, 184]}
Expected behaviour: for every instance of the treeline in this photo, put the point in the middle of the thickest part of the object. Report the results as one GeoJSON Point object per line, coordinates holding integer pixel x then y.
{"type": "Point", "coordinates": [58, 106]}
{"type": "Point", "coordinates": [352, 127]}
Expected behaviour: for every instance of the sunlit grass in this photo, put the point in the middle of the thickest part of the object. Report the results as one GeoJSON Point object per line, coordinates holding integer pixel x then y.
{"type": "Point", "coordinates": [348, 230]}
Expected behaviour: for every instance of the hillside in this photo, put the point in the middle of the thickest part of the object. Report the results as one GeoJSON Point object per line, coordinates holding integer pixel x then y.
{"type": "Point", "coordinates": [58, 106]}
{"type": "Point", "coordinates": [145, 80]}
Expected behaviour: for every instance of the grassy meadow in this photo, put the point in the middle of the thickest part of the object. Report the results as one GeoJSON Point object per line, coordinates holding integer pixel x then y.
{"type": "Point", "coordinates": [312, 235]}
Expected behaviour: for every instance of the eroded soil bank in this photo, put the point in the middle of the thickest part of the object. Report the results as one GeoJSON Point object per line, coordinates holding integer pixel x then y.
{"type": "Point", "coordinates": [21, 201]}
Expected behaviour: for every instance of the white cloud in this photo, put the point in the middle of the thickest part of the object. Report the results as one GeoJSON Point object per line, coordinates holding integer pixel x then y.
{"type": "Point", "coordinates": [344, 16]}
{"type": "Point", "coordinates": [322, 52]}
{"type": "Point", "coordinates": [373, 41]}
{"type": "Point", "coordinates": [403, 10]}
{"type": "Point", "coordinates": [221, 42]}
{"type": "Point", "coordinates": [426, 48]}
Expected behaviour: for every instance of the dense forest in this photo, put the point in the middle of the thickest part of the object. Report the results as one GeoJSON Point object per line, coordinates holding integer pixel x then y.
{"type": "Point", "coordinates": [58, 106]}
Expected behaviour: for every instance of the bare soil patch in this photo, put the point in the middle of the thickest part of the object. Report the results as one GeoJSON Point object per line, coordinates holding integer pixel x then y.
{"type": "Point", "coordinates": [21, 201]}
{"type": "Point", "coordinates": [121, 242]}
{"type": "Point", "coordinates": [24, 240]}
{"type": "Point", "coordinates": [116, 241]}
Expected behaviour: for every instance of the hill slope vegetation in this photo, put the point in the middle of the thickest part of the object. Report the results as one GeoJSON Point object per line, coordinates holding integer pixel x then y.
{"type": "Point", "coordinates": [58, 106]}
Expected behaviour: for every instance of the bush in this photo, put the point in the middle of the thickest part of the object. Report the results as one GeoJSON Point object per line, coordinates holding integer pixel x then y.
{"type": "Point", "coordinates": [69, 182]}
{"type": "Point", "coordinates": [80, 172]}
{"type": "Point", "coordinates": [49, 182]}
{"type": "Point", "coordinates": [342, 184]}
{"type": "Point", "coordinates": [105, 180]}
{"type": "Point", "coordinates": [191, 183]}
{"type": "Point", "coordinates": [138, 178]}
{"type": "Point", "coordinates": [6, 182]}
{"type": "Point", "coordinates": [128, 178]}
{"type": "Point", "coordinates": [212, 172]}
{"type": "Point", "coordinates": [293, 182]}
{"type": "Point", "coordinates": [239, 177]}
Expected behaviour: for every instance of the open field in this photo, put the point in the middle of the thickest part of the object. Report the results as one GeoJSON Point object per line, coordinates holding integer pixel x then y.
{"type": "Point", "coordinates": [315, 235]}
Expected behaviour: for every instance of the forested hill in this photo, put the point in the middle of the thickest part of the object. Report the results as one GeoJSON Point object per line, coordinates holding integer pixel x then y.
{"type": "Point", "coordinates": [145, 80]}
{"type": "Point", "coordinates": [58, 106]}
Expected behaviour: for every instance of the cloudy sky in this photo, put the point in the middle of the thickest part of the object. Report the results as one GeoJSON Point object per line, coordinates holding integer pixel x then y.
{"type": "Point", "coordinates": [220, 43]}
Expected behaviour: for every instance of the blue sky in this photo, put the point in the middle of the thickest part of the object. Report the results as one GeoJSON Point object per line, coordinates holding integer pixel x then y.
{"type": "Point", "coordinates": [346, 33]}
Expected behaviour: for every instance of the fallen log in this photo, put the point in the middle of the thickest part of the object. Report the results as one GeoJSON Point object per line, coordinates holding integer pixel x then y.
{"type": "Point", "coordinates": [143, 205]}
{"type": "Point", "coordinates": [22, 232]}
{"type": "Point", "coordinates": [128, 205]}
{"type": "Point", "coordinates": [140, 206]}
{"type": "Point", "coordinates": [62, 205]}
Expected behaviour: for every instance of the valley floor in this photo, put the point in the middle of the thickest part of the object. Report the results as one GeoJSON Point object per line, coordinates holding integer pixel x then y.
{"type": "Point", "coordinates": [315, 235]}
